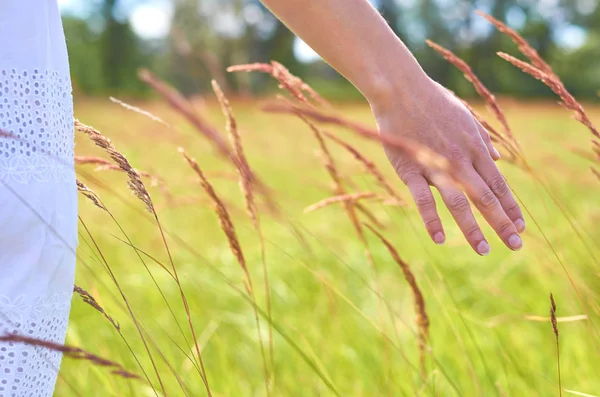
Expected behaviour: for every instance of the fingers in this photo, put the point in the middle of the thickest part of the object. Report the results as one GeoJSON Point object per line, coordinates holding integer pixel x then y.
{"type": "Point", "coordinates": [488, 141]}
{"type": "Point", "coordinates": [421, 193]}
{"type": "Point", "coordinates": [489, 205]}
{"type": "Point", "coordinates": [497, 183]}
{"type": "Point", "coordinates": [460, 209]}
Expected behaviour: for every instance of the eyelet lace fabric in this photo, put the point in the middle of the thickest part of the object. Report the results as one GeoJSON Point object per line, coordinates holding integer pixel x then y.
{"type": "Point", "coordinates": [38, 213]}
{"type": "Point", "coordinates": [36, 126]}
{"type": "Point", "coordinates": [27, 370]}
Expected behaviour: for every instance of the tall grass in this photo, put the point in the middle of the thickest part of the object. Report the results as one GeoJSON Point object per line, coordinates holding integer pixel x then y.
{"type": "Point", "coordinates": [331, 317]}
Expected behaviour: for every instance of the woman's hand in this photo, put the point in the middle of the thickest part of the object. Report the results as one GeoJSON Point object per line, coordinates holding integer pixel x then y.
{"type": "Point", "coordinates": [352, 37]}
{"type": "Point", "coordinates": [427, 113]}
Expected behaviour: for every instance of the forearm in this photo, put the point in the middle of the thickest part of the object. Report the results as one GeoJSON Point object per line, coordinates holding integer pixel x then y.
{"type": "Point", "coordinates": [354, 39]}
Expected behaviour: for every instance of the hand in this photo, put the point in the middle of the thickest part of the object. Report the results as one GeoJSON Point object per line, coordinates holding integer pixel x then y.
{"type": "Point", "coordinates": [434, 118]}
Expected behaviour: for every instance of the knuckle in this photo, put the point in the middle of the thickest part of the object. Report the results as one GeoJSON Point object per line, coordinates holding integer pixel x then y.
{"type": "Point", "coordinates": [424, 199]}
{"type": "Point", "coordinates": [486, 136]}
{"type": "Point", "coordinates": [488, 200]}
{"type": "Point", "coordinates": [432, 223]}
{"type": "Point", "coordinates": [505, 227]}
{"type": "Point", "coordinates": [407, 176]}
{"type": "Point", "coordinates": [513, 210]}
{"type": "Point", "coordinates": [473, 231]}
{"type": "Point", "coordinates": [458, 203]}
{"type": "Point", "coordinates": [405, 170]}
{"type": "Point", "coordinates": [457, 155]}
{"type": "Point", "coordinates": [499, 186]}
{"type": "Point", "coordinates": [480, 148]}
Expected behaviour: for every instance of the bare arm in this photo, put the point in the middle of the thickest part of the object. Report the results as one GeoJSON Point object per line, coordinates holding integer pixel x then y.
{"type": "Point", "coordinates": [355, 40]}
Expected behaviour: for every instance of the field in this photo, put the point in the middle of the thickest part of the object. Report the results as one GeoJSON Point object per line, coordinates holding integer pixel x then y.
{"type": "Point", "coordinates": [339, 325]}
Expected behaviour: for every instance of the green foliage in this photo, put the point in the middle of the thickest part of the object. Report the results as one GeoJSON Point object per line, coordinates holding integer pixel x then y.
{"type": "Point", "coordinates": [198, 50]}
{"type": "Point", "coordinates": [106, 63]}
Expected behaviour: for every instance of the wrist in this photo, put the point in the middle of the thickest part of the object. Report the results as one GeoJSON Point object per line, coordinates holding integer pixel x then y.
{"type": "Point", "coordinates": [397, 87]}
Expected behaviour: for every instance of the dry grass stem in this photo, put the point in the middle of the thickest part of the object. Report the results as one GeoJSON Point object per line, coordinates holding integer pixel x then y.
{"type": "Point", "coordinates": [370, 166]}
{"type": "Point", "coordinates": [481, 89]}
{"type": "Point", "coordinates": [183, 106]}
{"type": "Point", "coordinates": [287, 81]}
{"type": "Point", "coordinates": [239, 158]}
{"type": "Point", "coordinates": [247, 187]}
{"type": "Point", "coordinates": [72, 352]}
{"type": "Point", "coordinates": [89, 299]}
{"type": "Point", "coordinates": [223, 214]}
{"type": "Point", "coordinates": [352, 197]}
{"type": "Point", "coordinates": [369, 215]}
{"type": "Point", "coordinates": [90, 194]}
{"type": "Point", "coordinates": [420, 310]}
{"type": "Point", "coordinates": [105, 165]}
{"type": "Point", "coordinates": [496, 137]}
{"type": "Point", "coordinates": [567, 319]}
{"type": "Point", "coordinates": [414, 150]}
{"type": "Point", "coordinates": [6, 134]}
{"type": "Point", "coordinates": [568, 101]}
{"type": "Point", "coordinates": [555, 330]}
{"type": "Point", "coordinates": [540, 70]}
{"type": "Point", "coordinates": [138, 110]}
{"type": "Point", "coordinates": [134, 183]}
{"type": "Point", "coordinates": [338, 188]}
{"type": "Point", "coordinates": [521, 43]}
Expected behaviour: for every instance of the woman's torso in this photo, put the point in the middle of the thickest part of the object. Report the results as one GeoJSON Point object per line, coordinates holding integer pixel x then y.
{"type": "Point", "coordinates": [35, 94]}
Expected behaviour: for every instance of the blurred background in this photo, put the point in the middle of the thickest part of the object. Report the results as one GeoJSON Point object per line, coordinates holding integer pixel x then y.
{"type": "Point", "coordinates": [188, 42]}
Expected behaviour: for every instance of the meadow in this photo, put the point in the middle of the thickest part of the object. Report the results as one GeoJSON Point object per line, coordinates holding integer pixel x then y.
{"type": "Point", "coordinates": [339, 318]}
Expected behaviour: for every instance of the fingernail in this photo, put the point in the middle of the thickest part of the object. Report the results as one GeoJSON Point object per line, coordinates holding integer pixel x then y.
{"type": "Point", "coordinates": [496, 153]}
{"type": "Point", "coordinates": [520, 225]}
{"type": "Point", "coordinates": [483, 248]}
{"type": "Point", "coordinates": [439, 238]}
{"type": "Point", "coordinates": [515, 242]}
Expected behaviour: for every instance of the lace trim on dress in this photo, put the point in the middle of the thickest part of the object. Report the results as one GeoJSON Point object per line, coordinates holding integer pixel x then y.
{"type": "Point", "coordinates": [36, 121]}
{"type": "Point", "coordinates": [27, 370]}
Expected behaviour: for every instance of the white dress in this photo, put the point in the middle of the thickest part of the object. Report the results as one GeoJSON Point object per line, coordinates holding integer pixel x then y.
{"type": "Point", "coordinates": [38, 196]}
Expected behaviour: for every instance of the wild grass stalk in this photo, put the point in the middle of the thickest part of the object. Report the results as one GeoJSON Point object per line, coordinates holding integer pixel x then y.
{"type": "Point", "coordinates": [521, 43]}
{"type": "Point", "coordinates": [136, 185]}
{"type": "Point", "coordinates": [341, 198]}
{"type": "Point", "coordinates": [71, 352]}
{"type": "Point", "coordinates": [138, 110]}
{"type": "Point", "coordinates": [481, 89]}
{"type": "Point", "coordinates": [228, 229]}
{"type": "Point", "coordinates": [90, 194]}
{"type": "Point", "coordinates": [552, 81]}
{"type": "Point", "coordinates": [369, 166]}
{"type": "Point", "coordinates": [414, 150]}
{"type": "Point", "coordinates": [183, 107]}
{"type": "Point", "coordinates": [246, 181]}
{"type": "Point", "coordinates": [287, 81]}
{"type": "Point", "coordinates": [105, 165]}
{"type": "Point", "coordinates": [555, 330]}
{"type": "Point", "coordinates": [89, 299]}
{"type": "Point", "coordinates": [541, 70]}
{"type": "Point", "coordinates": [419, 301]}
